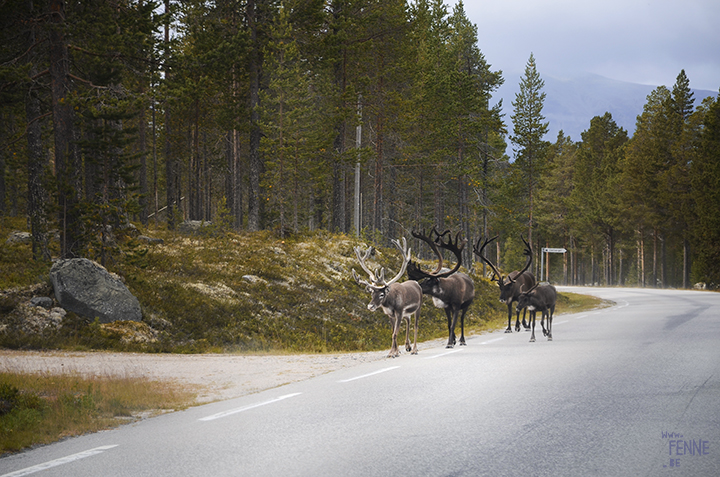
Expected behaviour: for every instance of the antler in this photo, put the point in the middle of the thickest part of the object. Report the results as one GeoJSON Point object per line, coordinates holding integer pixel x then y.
{"type": "Point", "coordinates": [405, 252]}
{"type": "Point", "coordinates": [528, 253]}
{"type": "Point", "coordinates": [479, 252]}
{"type": "Point", "coordinates": [433, 246]}
{"type": "Point", "coordinates": [456, 248]}
{"type": "Point", "coordinates": [414, 271]}
{"type": "Point", "coordinates": [362, 259]}
{"type": "Point", "coordinates": [377, 279]}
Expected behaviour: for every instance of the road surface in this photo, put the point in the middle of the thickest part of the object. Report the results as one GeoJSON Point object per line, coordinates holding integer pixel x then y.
{"type": "Point", "coordinates": [630, 390]}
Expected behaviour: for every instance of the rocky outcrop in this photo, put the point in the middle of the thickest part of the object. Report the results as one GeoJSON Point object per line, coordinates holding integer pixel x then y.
{"type": "Point", "coordinates": [89, 290]}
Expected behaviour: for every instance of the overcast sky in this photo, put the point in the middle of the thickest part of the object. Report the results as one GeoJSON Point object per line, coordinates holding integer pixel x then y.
{"type": "Point", "coordinates": [639, 41]}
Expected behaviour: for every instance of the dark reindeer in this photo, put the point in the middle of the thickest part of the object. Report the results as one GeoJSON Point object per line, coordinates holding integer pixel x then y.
{"type": "Point", "coordinates": [451, 290]}
{"type": "Point", "coordinates": [398, 300]}
{"type": "Point", "coordinates": [540, 298]}
{"type": "Point", "coordinates": [511, 285]}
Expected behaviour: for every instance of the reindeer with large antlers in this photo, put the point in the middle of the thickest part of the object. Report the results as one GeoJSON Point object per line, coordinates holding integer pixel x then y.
{"type": "Point", "coordinates": [512, 285]}
{"type": "Point", "coordinates": [398, 300]}
{"type": "Point", "coordinates": [451, 290]}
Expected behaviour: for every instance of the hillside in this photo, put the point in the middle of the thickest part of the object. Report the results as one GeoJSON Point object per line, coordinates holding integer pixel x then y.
{"type": "Point", "coordinates": [228, 292]}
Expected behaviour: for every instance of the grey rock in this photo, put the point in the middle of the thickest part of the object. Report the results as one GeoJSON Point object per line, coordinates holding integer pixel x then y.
{"type": "Point", "coordinates": [151, 240]}
{"type": "Point", "coordinates": [19, 237]}
{"type": "Point", "coordinates": [42, 301]}
{"type": "Point", "coordinates": [86, 288]}
{"type": "Point", "coordinates": [193, 226]}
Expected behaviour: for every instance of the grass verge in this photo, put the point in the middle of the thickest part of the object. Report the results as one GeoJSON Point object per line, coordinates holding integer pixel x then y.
{"type": "Point", "coordinates": [41, 408]}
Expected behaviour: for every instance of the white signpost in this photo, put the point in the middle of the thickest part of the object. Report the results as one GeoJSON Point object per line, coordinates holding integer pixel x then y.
{"type": "Point", "coordinates": [545, 250]}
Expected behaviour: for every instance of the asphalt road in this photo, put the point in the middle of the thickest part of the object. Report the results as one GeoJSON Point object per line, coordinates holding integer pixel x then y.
{"type": "Point", "coordinates": [631, 390]}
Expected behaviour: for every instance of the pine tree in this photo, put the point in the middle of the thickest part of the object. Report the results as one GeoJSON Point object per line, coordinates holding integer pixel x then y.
{"type": "Point", "coordinates": [640, 183]}
{"type": "Point", "coordinates": [594, 199]}
{"type": "Point", "coordinates": [529, 130]}
{"type": "Point", "coordinates": [705, 180]}
{"type": "Point", "coordinates": [678, 198]}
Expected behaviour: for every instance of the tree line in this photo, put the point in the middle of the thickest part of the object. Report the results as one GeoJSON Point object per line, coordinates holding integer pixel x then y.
{"type": "Point", "coordinates": [353, 116]}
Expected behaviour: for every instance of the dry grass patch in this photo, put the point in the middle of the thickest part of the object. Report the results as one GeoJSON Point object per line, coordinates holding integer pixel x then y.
{"type": "Point", "coordinates": [40, 408]}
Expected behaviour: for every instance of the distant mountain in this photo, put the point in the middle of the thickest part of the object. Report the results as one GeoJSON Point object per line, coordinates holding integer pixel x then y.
{"type": "Point", "coordinates": [570, 104]}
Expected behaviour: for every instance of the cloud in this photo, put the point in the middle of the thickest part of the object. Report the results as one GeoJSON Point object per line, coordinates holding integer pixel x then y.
{"type": "Point", "coordinates": [646, 42]}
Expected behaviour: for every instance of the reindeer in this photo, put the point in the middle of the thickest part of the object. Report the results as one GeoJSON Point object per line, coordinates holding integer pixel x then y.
{"type": "Point", "coordinates": [511, 285]}
{"type": "Point", "coordinates": [452, 290]}
{"type": "Point", "coordinates": [398, 300]}
{"type": "Point", "coordinates": [539, 298]}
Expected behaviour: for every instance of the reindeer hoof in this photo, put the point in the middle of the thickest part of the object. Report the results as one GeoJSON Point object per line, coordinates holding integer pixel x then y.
{"type": "Point", "coordinates": [549, 338]}
{"type": "Point", "coordinates": [508, 330]}
{"type": "Point", "coordinates": [414, 352]}
{"type": "Point", "coordinates": [449, 346]}
{"type": "Point", "coordinates": [532, 340]}
{"type": "Point", "coordinates": [462, 343]}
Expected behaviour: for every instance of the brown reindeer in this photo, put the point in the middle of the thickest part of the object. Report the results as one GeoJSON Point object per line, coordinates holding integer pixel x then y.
{"type": "Point", "coordinates": [511, 285]}
{"type": "Point", "coordinates": [451, 290]}
{"type": "Point", "coordinates": [398, 300]}
{"type": "Point", "coordinates": [540, 298]}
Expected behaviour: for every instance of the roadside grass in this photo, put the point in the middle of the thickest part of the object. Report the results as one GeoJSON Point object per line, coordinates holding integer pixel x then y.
{"type": "Point", "coordinates": [40, 408]}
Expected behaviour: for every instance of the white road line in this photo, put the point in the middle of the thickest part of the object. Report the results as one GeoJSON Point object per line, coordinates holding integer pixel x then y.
{"type": "Point", "coordinates": [246, 408]}
{"type": "Point", "coordinates": [369, 374]}
{"type": "Point", "coordinates": [581, 316]}
{"type": "Point", "coordinates": [492, 340]}
{"type": "Point", "coordinates": [559, 322]}
{"type": "Point", "coordinates": [60, 461]}
{"type": "Point", "coordinates": [444, 354]}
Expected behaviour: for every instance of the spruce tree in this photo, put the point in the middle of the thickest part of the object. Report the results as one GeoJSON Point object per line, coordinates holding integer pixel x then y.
{"type": "Point", "coordinates": [529, 129]}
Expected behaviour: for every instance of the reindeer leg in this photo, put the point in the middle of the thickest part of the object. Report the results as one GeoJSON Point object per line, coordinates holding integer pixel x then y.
{"type": "Point", "coordinates": [517, 319]}
{"type": "Point", "coordinates": [394, 352]}
{"type": "Point", "coordinates": [417, 316]}
{"type": "Point", "coordinates": [550, 318]}
{"type": "Point", "coordinates": [407, 334]}
{"type": "Point", "coordinates": [525, 325]}
{"type": "Point", "coordinates": [462, 327]}
{"type": "Point", "coordinates": [454, 314]}
{"type": "Point", "coordinates": [509, 328]}
{"type": "Point", "coordinates": [532, 319]}
{"type": "Point", "coordinates": [451, 328]}
{"type": "Point", "coordinates": [542, 323]}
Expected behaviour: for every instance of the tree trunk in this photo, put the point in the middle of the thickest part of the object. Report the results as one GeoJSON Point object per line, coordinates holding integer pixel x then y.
{"type": "Point", "coordinates": [171, 184]}
{"type": "Point", "coordinates": [67, 166]}
{"type": "Point", "coordinates": [254, 69]}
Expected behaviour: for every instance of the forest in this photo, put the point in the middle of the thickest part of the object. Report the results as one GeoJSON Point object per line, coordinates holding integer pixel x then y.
{"type": "Point", "coordinates": [364, 117]}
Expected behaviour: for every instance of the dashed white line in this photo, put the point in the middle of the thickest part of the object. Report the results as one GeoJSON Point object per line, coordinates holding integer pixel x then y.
{"type": "Point", "coordinates": [57, 462]}
{"type": "Point", "coordinates": [444, 354]}
{"type": "Point", "coordinates": [246, 408]}
{"type": "Point", "coordinates": [369, 374]}
{"type": "Point", "coordinates": [492, 340]}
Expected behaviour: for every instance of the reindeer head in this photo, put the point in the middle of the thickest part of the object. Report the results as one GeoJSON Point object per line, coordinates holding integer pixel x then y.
{"type": "Point", "coordinates": [378, 286]}
{"type": "Point", "coordinates": [525, 299]}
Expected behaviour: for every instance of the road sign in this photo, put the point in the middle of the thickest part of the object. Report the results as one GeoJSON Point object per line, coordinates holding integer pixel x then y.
{"type": "Point", "coordinates": [554, 250]}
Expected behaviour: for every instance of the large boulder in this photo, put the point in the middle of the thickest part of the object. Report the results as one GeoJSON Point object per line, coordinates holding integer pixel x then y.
{"type": "Point", "coordinates": [88, 289]}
